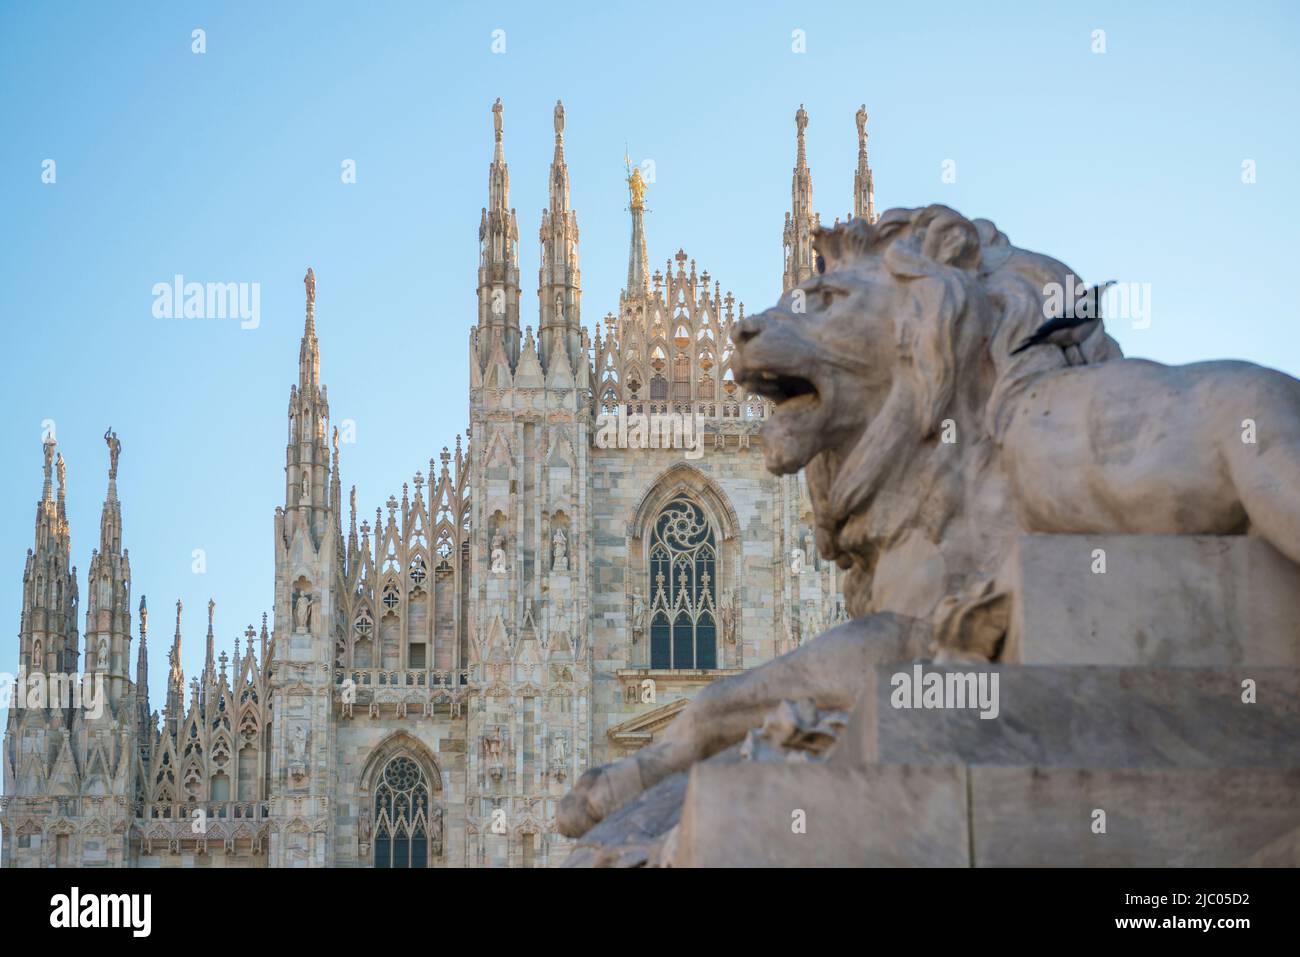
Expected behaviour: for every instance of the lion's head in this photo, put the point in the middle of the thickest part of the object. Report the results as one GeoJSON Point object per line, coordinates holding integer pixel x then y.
{"type": "Point", "coordinates": [889, 370]}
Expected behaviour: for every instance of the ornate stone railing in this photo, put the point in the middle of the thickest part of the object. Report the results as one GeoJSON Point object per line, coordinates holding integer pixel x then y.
{"type": "Point", "coordinates": [408, 678]}
{"type": "Point", "coordinates": [214, 810]}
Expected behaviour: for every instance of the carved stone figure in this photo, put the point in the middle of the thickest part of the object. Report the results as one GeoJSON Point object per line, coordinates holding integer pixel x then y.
{"type": "Point", "coordinates": [560, 551]}
{"type": "Point", "coordinates": [559, 746]}
{"type": "Point", "coordinates": [638, 616]}
{"type": "Point", "coordinates": [298, 743]}
{"type": "Point", "coordinates": [498, 553]}
{"type": "Point", "coordinates": [302, 611]}
{"type": "Point", "coordinates": [114, 450]}
{"type": "Point", "coordinates": [305, 497]}
{"type": "Point", "coordinates": [908, 330]}
{"type": "Point", "coordinates": [493, 744]}
{"type": "Point", "coordinates": [727, 615]}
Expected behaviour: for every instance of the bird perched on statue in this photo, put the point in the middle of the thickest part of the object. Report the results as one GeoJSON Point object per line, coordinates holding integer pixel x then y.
{"type": "Point", "coordinates": [1073, 328]}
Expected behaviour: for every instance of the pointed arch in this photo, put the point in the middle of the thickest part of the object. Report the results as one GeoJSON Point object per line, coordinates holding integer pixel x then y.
{"type": "Point", "coordinates": [400, 742]}
{"type": "Point", "coordinates": [684, 478]}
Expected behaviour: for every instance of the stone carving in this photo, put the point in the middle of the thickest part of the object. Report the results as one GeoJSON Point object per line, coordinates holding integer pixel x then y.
{"type": "Point", "coordinates": [727, 615]}
{"type": "Point", "coordinates": [863, 384]}
{"type": "Point", "coordinates": [297, 752]}
{"type": "Point", "coordinates": [498, 553]}
{"type": "Point", "coordinates": [304, 497]}
{"type": "Point", "coordinates": [560, 551]}
{"type": "Point", "coordinates": [302, 611]}
{"type": "Point", "coordinates": [114, 450]}
{"type": "Point", "coordinates": [435, 829]}
{"type": "Point", "coordinates": [638, 616]}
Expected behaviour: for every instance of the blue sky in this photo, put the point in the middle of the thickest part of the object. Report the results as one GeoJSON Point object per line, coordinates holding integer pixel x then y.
{"type": "Point", "coordinates": [225, 167]}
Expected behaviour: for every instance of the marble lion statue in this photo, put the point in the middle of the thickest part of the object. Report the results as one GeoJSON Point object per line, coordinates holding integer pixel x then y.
{"type": "Point", "coordinates": [930, 448]}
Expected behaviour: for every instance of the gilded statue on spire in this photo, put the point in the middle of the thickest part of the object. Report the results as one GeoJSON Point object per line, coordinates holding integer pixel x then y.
{"type": "Point", "coordinates": [114, 450]}
{"type": "Point", "coordinates": [637, 186]}
{"type": "Point", "coordinates": [309, 281]}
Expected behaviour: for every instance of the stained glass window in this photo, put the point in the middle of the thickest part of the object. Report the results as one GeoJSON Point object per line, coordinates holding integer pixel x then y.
{"type": "Point", "coordinates": [401, 815]}
{"type": "Point", "coordinates": [683, 588]}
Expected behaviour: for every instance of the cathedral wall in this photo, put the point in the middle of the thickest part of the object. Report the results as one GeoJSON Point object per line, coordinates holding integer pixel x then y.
{"type": "Point", "coordinates": [732, 485]}
{"type": "Point", "coordinates": [363, 747]}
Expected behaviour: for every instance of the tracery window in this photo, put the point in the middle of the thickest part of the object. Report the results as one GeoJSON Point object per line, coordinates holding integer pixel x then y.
{"type": "Point", "coordinates": [402, 815]}
{"type": "Point", "coordinates": [683, 588]}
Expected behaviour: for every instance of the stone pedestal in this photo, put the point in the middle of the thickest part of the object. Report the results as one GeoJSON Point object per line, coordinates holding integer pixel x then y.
{"type": "Point", "coordinates": [1147, 716]}
{"type": "Point", "coordinates": [1162, 600]}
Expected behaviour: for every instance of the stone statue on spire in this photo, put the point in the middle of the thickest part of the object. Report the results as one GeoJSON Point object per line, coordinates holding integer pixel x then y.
{"type": "Point", "coordinates": [114, 450]}
{"type": "Point", "coordinates": [496, 117]}
{"type": "Point", "coordinates": [801, 120]}
{"type": "Point", "coordinates": [309, 281]}
{"type": "Point", "coordinates": [861, 117]}
{"type": "Point", "coordinates": [62, 470]}
{"type": "Point", "coordinates": [559, 119]}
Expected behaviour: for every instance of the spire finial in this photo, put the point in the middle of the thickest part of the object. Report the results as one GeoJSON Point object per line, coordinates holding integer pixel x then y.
{"type": "Point", "coordinates": [559, 121]}
{"type": "Point", "coordinates": [212, 607]}
{"type": "Point", "coordinates": [309, 281]}
{"type": "Point", "coordinates": [114, 450]}
{"type": "Point", "coordinates": [61, 470]}
{"type": "Point", "coordinates": [144, 617]}
{"type": "Point", "coordinates": [47, 446]}
{"type": "Point", "coordinates": [801, 124]}
{"type": "Point", "coordinates": [497, 111]}
{"type": "Point", "coordinates": [864, 189]}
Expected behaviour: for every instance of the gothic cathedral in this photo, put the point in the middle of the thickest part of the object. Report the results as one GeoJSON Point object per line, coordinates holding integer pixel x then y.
{"type": "Point", "coordinates": [543, 600]}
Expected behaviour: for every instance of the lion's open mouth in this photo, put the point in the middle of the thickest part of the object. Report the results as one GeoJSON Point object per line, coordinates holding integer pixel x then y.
{"type": "Point", "coordinates": [781, 388]}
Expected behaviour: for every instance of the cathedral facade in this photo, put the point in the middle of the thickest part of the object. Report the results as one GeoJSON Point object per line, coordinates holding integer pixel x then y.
{"type": "Point", "coordinates": [544, 599]}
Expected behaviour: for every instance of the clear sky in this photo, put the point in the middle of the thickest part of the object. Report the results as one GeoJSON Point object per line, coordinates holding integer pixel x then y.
{"type": "Point", "coordinates": [226, 167]}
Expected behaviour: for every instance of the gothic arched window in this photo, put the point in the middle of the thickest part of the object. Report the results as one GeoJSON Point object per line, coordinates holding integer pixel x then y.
{"type": "Point", "coordinates": [402, 815]}
{"type": "Point", "coordinates": [683, 588]}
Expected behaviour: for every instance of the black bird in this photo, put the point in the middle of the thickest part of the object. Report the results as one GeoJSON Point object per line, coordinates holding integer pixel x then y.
{"type": "Point", "coordinates": [1071, 330]}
